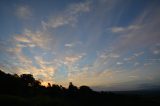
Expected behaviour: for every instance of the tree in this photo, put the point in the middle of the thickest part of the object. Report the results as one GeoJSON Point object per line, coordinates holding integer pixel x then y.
{"type": "Point", "coordinates": [72, 89]}
{"type": "Point", "coordinates": [85, 89]}
{"type": "Point", "coordinates": [28, 79]}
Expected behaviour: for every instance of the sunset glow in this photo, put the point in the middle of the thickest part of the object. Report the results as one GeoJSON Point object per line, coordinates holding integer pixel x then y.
{"type": "Point", "coordinates": [105, 44]}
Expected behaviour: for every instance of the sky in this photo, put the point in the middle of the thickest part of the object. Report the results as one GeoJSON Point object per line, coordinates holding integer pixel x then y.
{"type": "Point", "coordinates": [104, 44]}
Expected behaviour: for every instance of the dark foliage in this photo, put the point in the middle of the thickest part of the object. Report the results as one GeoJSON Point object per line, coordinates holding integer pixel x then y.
{"type": "Point", "coordinates": [24, 90]}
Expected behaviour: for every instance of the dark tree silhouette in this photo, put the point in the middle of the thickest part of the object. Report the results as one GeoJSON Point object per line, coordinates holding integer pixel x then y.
{"type": "Point", "coordinates": [72, 88]}
{"type": "Point", "coordinates": [25, 90]}
{"type": "Point", "coordinates": [85, 89]}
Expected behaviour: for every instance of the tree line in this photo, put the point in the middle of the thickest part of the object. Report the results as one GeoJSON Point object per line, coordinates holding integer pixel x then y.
{"type": "Point", "coordinates": [25, 90]}
{"type": "Point", "coordinates": [27, 85]}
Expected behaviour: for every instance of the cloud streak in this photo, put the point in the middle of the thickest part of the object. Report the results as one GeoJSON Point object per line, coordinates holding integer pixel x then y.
{"type": "Point", "coordinates": [68, 17]}
{"type": "Point", "coordinates": [23, 12]}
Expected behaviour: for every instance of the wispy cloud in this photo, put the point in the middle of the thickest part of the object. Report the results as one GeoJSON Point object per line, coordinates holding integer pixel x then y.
{"type": "Point", "coordinates": [73, 58]}
{"type": "Point", "coordinates": [139, 37]}
{"type": "Point", "coordinates": [67, 17]}
{"type": "Point", "coordinates": [23, 12]}
{"type": "Point", "coordinates": [42, 41]}
{"type": "Point", "coordinates": [32, 39]}
{"type": "Point", "coordinates": [33, 63]}
{"type": "Point", "coordinates": [68, 45]}
{"type": "Point", "coordinates": [119, 63]}
{"type": "Point", "coordinates": [156, 52]}
{"type": "Point", "coordinates": [125, 29]}
{"type": "Point", "coordinates": [134, 56]}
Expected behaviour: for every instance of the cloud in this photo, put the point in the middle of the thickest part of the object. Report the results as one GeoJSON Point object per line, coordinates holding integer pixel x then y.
{"type": "Point", "coordinates": [73, 44]}
{"type": "Point", "coordinates": [118, 29]}
{"type": "Point", "coordinates": [119, 63]}
{"type": "Point", "coordinates": [37, 44]}
{"type": "Point", "coordinates": [32, 62]}
{"type": "Point", "coordinates": [58, 22]}
{"type": "Point", "coordinates": [45, 70]}
{"type": "Point", "coordinates": [32, 39]}
{"type": "Point", "coordinates": [44, 74]}
{"type": "Point", "coordinates": [73, 58]}
{"type": "Point", "coordinates": [134, 56]}
{"type": "Point", "coordinates": [41, 61]}
{"type": "Point", "coordinates": [155, 49]}
{"type": "Point", "coordinates": [68, 45]}
{"type": "Point", "coordinates": [125, 29]}
{"type": "Point", "coordinates": [156, 52]}
{"type": "Point", "coordinates": [23, 12]}
{"type": "Point", "coordinates": [110, 54]}
{"type": "Point", "coordinates": [21, 38]}
{"type": "Point", "coordinates": [79, 7]}
{"type": "Point", "coordinates": [139, 54]}
{"type": "Point", "coordinates": [67, 17]}
{"type": "Point", "coordinates": [136, 63]}
{"type": "Point", "coordinates": [139, 37]}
